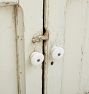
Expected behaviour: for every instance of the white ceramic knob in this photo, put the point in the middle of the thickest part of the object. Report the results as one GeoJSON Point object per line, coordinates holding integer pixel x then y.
{"type": "Point", "coordinates": [57, 52]}
{"type": "Point", "coordinates": [37, 58]}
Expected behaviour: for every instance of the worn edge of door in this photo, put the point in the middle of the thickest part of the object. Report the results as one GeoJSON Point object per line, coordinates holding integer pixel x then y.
{"type": "Point", "coordinates": [33, 21]}
{"type": "Point", "coordinates": [45, 45]}
{"type": "Point", "coordinates": [84, 80]}
{"type": "Point", "coordinates": [19, 25]}
{"type": "Point", "coordinates": [54, 24]}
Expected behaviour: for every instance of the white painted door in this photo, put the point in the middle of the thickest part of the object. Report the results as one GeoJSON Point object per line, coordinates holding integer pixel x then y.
{"type": "Point", "coordinates": [76, 59]}
{"type": "Point", "coordinates": [11, 49]}
{"type": "Point", "coordinates": [54, 47]}
{"type": "Point", "coordinates": [65, 69]}
{"type": "Point", "coordinates": [33, 21]}
{"type": "Point", "coordinates": [67, 23]}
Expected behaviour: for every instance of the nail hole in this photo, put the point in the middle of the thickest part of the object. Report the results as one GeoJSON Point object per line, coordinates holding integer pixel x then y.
{"type": "Point", "coordinates": [38, 60]}
{"type": "Point", "coordinates": [52, 63]}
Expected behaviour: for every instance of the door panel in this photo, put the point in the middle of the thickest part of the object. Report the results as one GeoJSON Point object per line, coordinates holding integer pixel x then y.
{"type": "Point", "coordinates": [33, 13]}
{"type": "Point", "coordinates": [54, 24]}
{"type": "Point", "coordinates": [84, 84]}
{"type": "Point", "coordinates": [73, 43]}
{"type": "Point", "coordinates": [8, 75]}
{"type": "Point", "coordinates": [67, 24]}
{"type": "Point", "coordinates": [75, 77]}
{"type": "Point", "coordinates": [66, 21]}
{"type": "Point", "coordinates": [11, 51]}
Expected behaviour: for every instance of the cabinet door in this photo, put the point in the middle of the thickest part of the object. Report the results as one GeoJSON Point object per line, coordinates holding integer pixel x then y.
{"type": "Point", "coordinates": [76, 60]}
{"type": "Point", "coordinates": [11, 50]}
{"type": "Point", "coordinates": [55, 25]}
{"type": "Point", "coordinates": [67, 23]}
{"type": "Point", "coordinates": [33, 21]}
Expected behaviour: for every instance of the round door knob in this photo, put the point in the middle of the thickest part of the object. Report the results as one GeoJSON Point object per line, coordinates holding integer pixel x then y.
{"type": "Point", "coordinates": [57, 52]}
{"type": "Point", "coordinates": [37, 58]}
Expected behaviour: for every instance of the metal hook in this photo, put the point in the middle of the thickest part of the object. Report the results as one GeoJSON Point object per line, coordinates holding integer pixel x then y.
{"type": "Point", "coordinates": [39, 38]}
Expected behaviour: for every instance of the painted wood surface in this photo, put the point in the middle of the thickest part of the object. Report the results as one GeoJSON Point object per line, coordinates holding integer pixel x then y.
{"type": "Point", "coordinates": [20, 49]}
{"type": "Point", "coordinates": [54, 24]}
{"type": "Point", "coordinates": [8, 73]}
{"type": "Point", "coordinates": [67, 27]}
{"type": "Point", "coordinates": [84, 84]}
{"type": "Point", "coordinates": [70, 31]}
{"type": "Point", "coordinates": [8, 2]}
{"type": "Point", "coordinates": [33, 19]}
{"type": "Point", "coordinates": [12, 76]}
{"type": "Point", "coordinates": [76, 62]}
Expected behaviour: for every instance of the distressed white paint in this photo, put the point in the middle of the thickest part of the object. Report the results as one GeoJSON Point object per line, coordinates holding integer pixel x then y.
{"type": "Point", "coordinates": [20, 49]}
{"type": "Point", "coordinates": [84, 80]}
{"type": "Point", "coordinates": [33, 10]}
{"type": "Point", "coordinates": [12, 78]}
{"type": "Point", "coordinates": [76, 74]}
{"type": "Point", "coordinates": [70, 76]}
{"type": "Point", "coordinates": [8, 2]}
{"type": "Point", "coordinates": [55, 26]}
{"type": "Point", "coordinates": [8, 73]}
{"type": "Point", "coordinates": [73, 41]}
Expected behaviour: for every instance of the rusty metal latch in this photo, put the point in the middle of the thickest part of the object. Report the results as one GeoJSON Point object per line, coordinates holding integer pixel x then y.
{"type": "Point", "coordinates": [39, 38]}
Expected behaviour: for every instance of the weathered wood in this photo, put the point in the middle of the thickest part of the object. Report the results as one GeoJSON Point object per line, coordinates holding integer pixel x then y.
{"type": "Point", "coordinates": [54, 24]}
{"type": "Point", "coordinates": [75, 77]}
{"type": "Point", "coordinates": [19, 25]}
{"type": "Point", "coordinates": [75, 70]}
{"type": "Point", "coordinates": [12, 51]}
{"type": "Point", "coordinates": [33, 19]}
{"type": "Point", "coordinates": [84, 80]}
{"type": "Point", "coordinates": [73, 42]}
{"type": "Point", "coordinates": [8, 73]}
